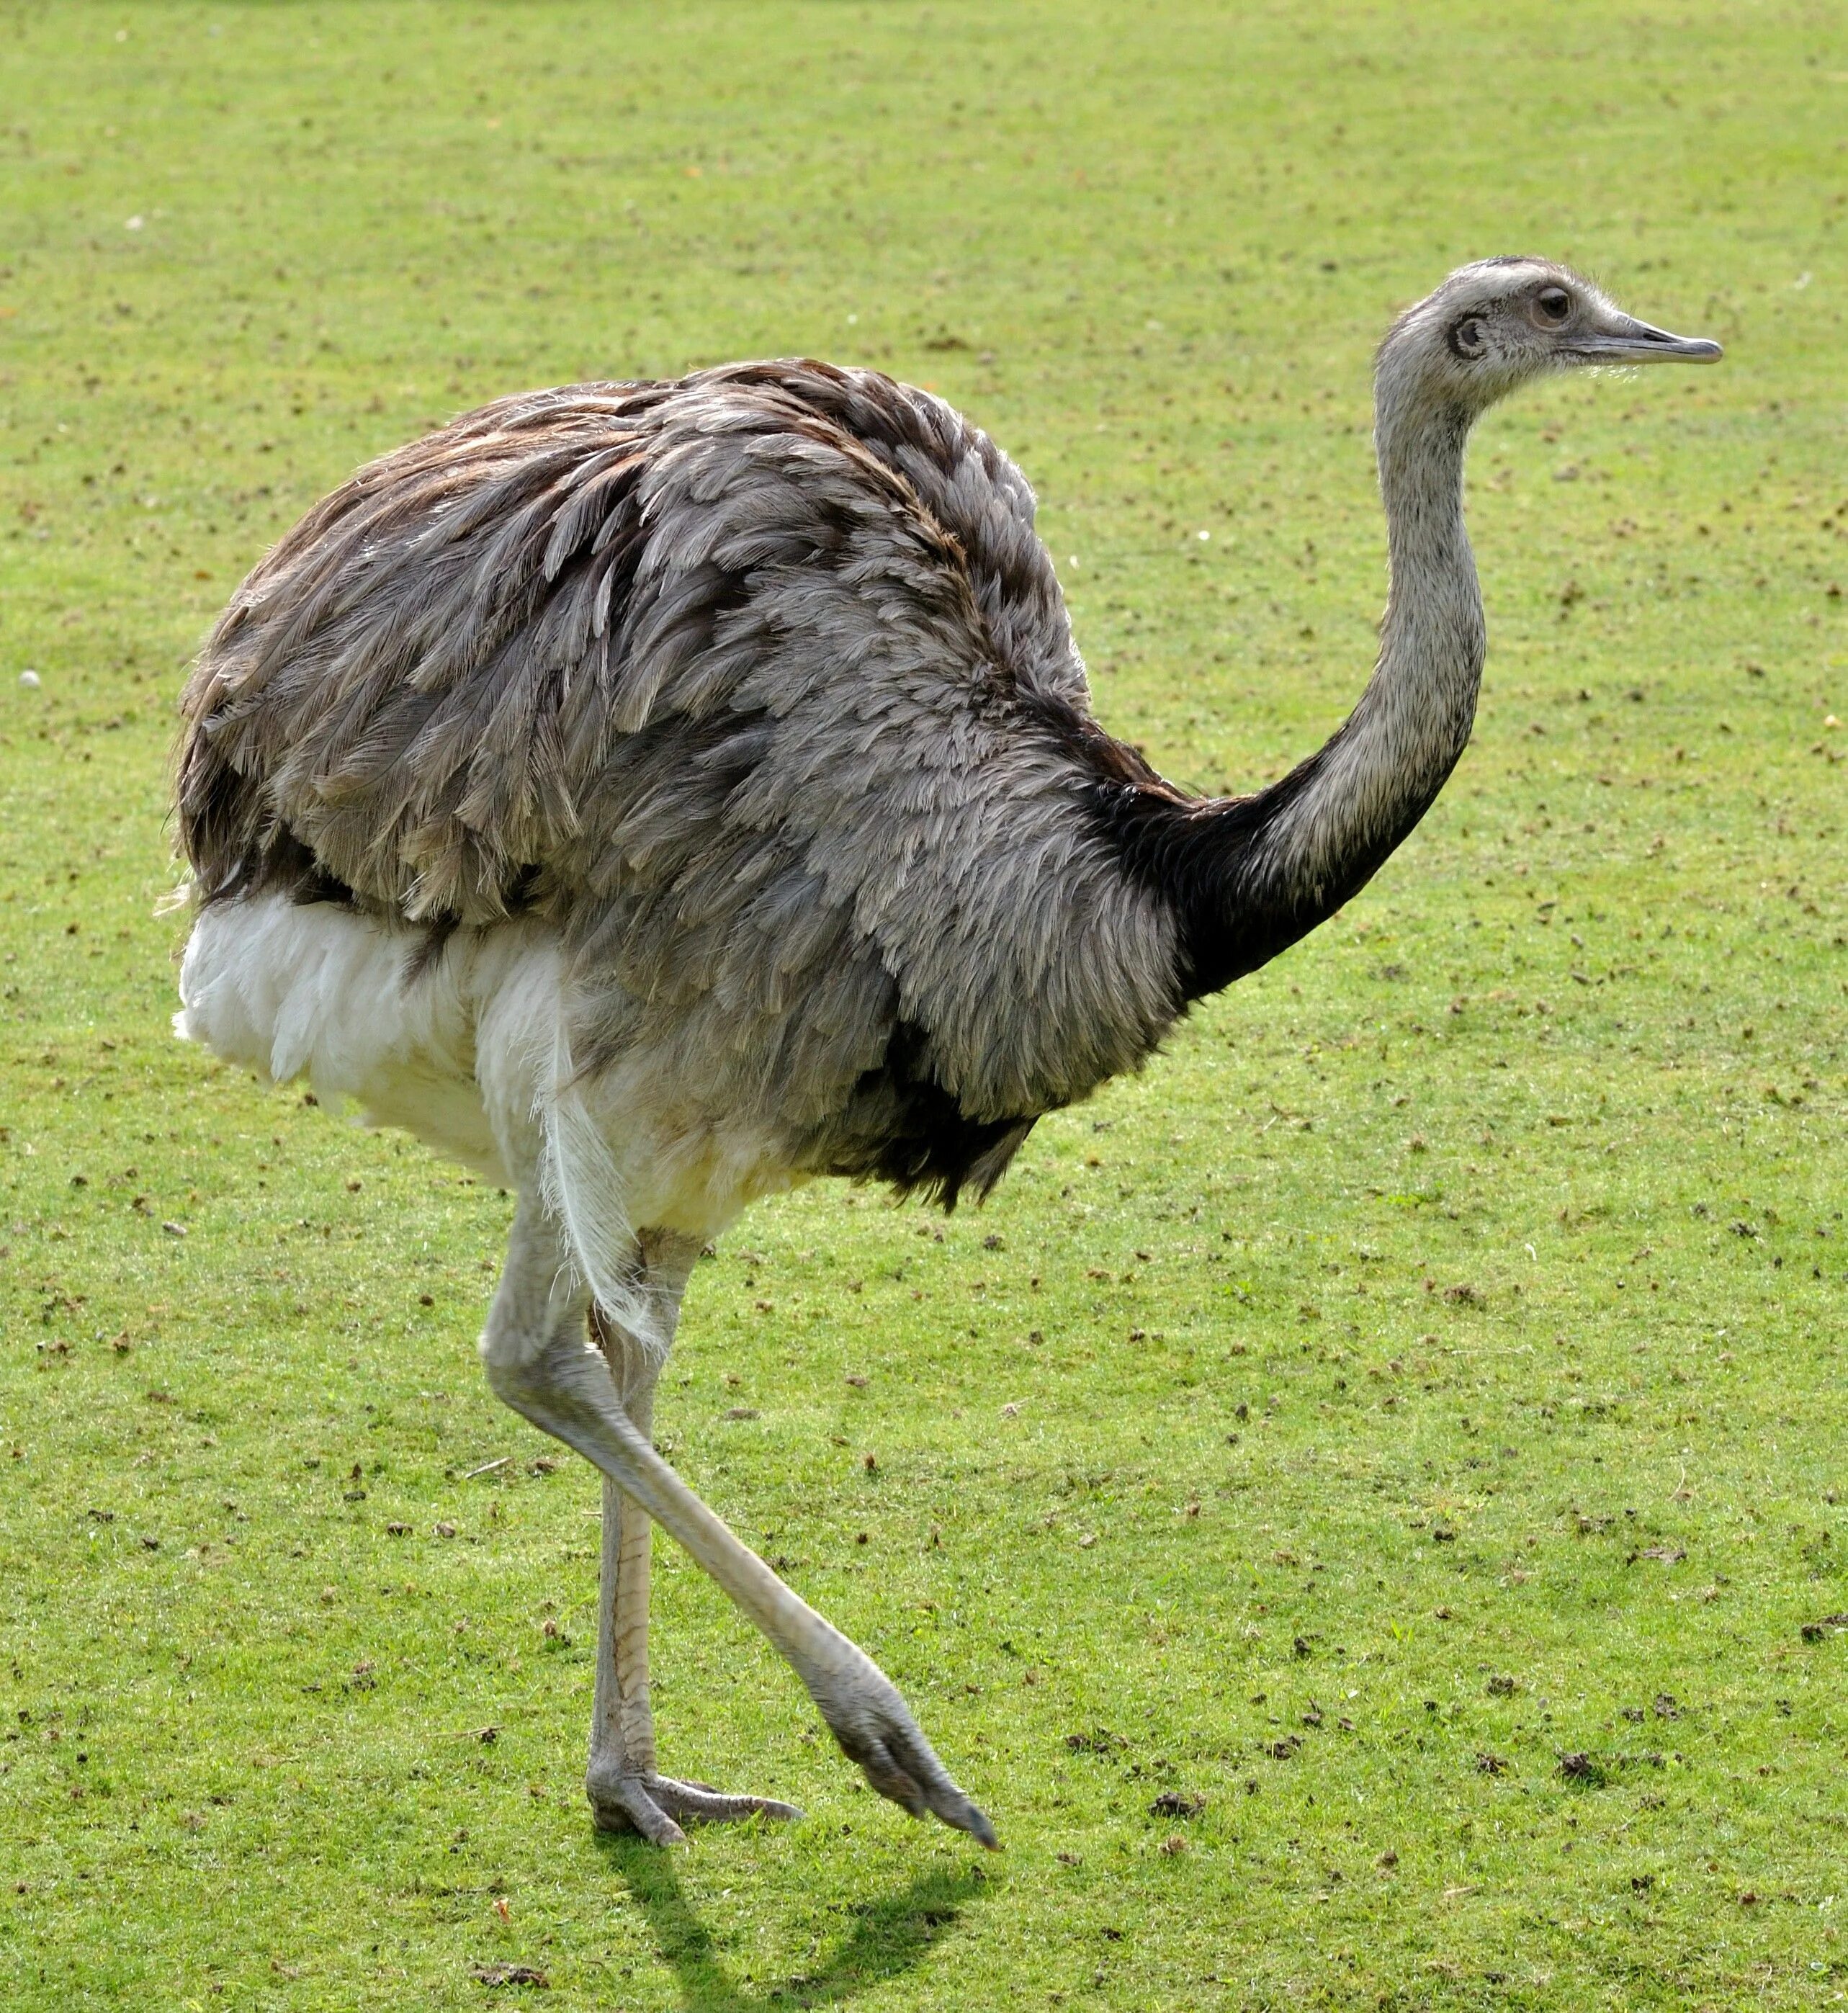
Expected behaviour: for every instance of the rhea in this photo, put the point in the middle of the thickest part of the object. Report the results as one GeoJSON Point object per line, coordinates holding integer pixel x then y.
{"type": "Point", "coordinates": [656, 795]}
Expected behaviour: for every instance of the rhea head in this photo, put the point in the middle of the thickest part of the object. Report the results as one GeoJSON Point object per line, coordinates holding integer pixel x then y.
{"type": "Point", "coordinates": [1494, 325]}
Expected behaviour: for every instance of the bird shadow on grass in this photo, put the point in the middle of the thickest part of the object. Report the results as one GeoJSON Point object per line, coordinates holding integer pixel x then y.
{"type": "Point", "coordinates": [890, 1936]}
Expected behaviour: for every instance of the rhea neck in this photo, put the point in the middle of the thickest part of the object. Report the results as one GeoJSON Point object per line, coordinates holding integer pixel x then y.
{"type": "Point", "coordinates": [1249, 876]}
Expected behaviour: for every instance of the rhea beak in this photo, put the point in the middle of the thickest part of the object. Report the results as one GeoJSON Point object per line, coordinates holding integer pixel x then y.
{"type": "Point", "coordinates": [1623, 340]}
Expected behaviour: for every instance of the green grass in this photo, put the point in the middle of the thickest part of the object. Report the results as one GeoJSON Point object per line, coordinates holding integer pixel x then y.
{"type": "Point", "coordinates": [1460, 1301]}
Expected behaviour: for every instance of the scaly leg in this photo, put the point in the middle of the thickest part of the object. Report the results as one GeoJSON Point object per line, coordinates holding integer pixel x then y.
{"type": "Point", "coordinates": [626, 1791]}
{"type": "Point", "coordinates": [539, 1360]}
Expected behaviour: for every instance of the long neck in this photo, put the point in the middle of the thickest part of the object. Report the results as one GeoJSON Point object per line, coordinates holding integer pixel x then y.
{"type": "Point", "coordinates": [1250, 876]}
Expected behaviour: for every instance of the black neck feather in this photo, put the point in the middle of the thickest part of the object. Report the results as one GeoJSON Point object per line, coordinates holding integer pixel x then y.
{"type": "Point", "coordinates": [1206, 858]}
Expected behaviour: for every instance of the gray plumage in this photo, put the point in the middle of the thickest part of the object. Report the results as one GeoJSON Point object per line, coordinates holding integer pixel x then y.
{"type": "Point", "coordinates": [661, 793]}
{"type": "Point", "coordinates": [754, 685]}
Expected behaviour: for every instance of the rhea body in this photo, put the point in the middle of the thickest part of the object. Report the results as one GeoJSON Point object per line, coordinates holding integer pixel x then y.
{"type": "Point", "coordinates": [657, 794]}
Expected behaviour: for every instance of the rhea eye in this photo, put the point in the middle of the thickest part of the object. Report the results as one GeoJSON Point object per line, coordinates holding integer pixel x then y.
{"type": "Point", "coordinates": [1554, 304]}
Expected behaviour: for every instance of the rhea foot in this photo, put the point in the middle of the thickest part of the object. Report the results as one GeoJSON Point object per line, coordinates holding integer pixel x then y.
{"type": "Point", "coordinates": [874, 1727]}
{"type": "Point", "coordinates": [657, 1807]}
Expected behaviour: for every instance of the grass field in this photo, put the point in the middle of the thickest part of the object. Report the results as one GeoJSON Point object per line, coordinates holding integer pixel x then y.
{"type": "Point", "coordinates": [1410, 1418]}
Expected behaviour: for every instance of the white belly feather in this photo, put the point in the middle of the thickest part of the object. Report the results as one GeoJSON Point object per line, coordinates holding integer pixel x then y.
{"type": "Point", "coordinates": [471, 1056]}
{"type": "Point", "coordinates": [460, 1055]}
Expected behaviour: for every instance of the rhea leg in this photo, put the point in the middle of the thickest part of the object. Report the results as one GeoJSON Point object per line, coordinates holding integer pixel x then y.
{"type": "Point", "coordinates": [539, 1360]}
{"type": "Point", "coordinates": [626, 1789]}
